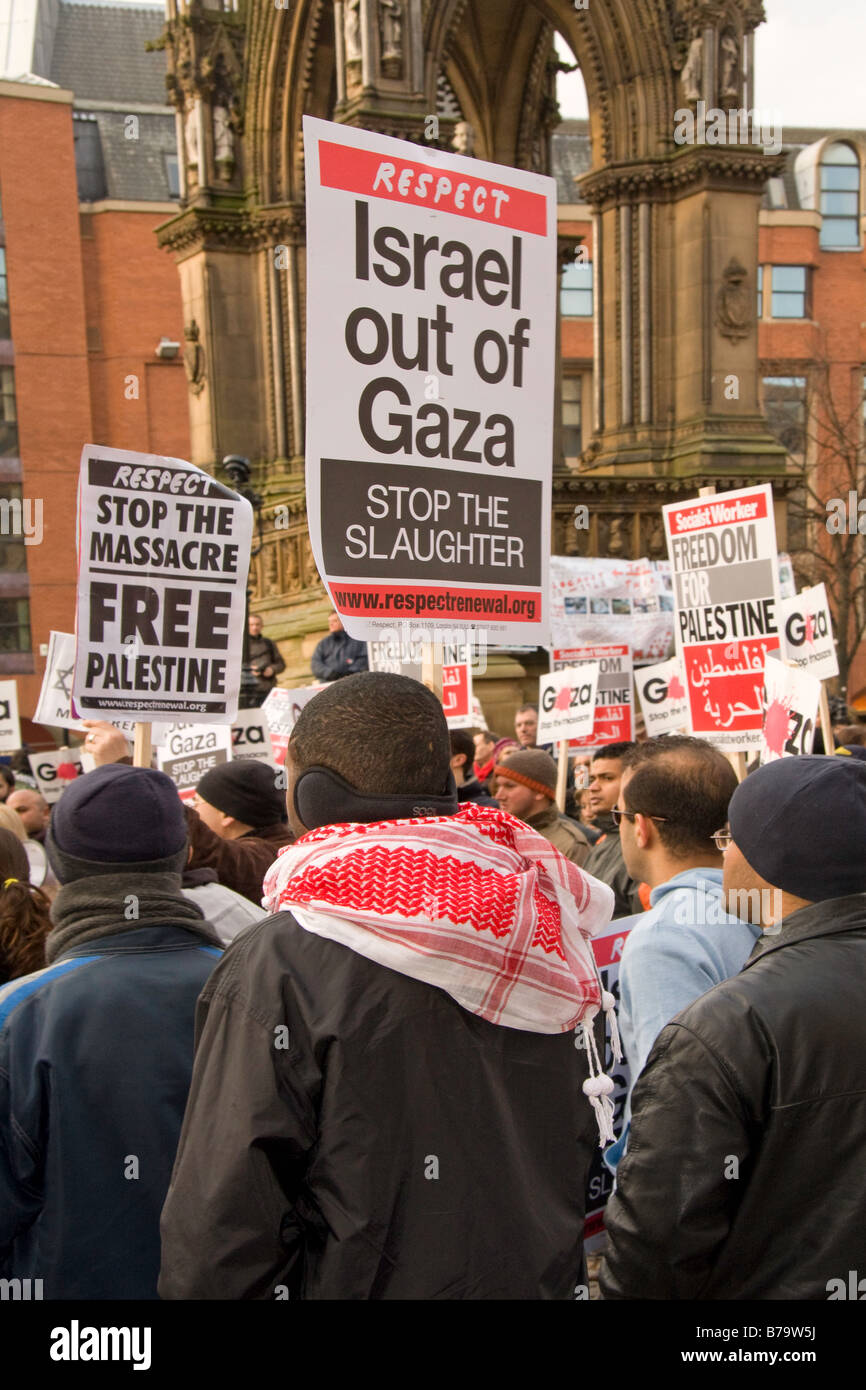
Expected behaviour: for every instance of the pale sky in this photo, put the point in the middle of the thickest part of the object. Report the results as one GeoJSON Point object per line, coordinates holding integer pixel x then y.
{"type": "Point", "coordinates": [809, 61]}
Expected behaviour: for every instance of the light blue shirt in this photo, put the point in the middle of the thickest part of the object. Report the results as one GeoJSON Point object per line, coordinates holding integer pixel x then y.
{"type": "Point", "coordinates": [682, 947]}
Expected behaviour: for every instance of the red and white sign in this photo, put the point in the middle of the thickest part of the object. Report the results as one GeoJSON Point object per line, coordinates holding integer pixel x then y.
{"type": "Point", "coordinates": [726, 591]}
{"type": "Point", "coordinates": [614, 701]}
{"type": "Point", "coordinates": [457, 696]}
{"type": "Point", "coordinates": [567, 702]}
{"type": "Point", "coordinates": [431, 332]}
{"type": "Point", "coordinates": [662, 694]}
{"type": "Point", "coordinates": [790, 710]}
{"type": "Point", "coordinates": [806, 633]}
{"type": "Point", "coordinates": [54, 771]}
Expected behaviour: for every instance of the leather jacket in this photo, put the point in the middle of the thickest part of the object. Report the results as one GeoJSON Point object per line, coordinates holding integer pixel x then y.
{"type": "Point", "coordinates": [743, 1177]}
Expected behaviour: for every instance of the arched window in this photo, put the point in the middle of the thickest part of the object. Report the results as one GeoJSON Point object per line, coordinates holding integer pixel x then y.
{"type": "Point", "coordinates": [840, 198]}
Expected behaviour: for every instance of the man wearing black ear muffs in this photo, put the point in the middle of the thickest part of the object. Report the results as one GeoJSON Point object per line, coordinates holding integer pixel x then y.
{"type": "Point", "coordinates": [387, 1099]}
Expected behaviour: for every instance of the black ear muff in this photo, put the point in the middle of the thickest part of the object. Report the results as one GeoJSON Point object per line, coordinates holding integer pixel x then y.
{"type": "Point", "coordinates": [323, 797]}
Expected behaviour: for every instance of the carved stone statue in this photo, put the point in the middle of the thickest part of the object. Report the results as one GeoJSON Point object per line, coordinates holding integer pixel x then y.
{"type": "Point", "coordinates": [352, 30]}
{"type": "Point", "coordinates": [734, 303]}
{"type": "Point", "coordinates": [190, 133]}
{"type": "Point", "coordinates": [693, 72]}
{"type": "Point", "coordinates": [391, 29]}
{"type": "Point", "coordinates": [464, 138]}
{"type": "Point", "coordinates": [271, 573]}
{"type": "Point", "coordinates": [729, 64]}
{"type": "Point", "coordinates": [223, 138]}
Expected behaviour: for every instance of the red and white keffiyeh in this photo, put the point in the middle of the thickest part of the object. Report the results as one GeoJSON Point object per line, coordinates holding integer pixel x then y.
{"type": "Point", "coordinates": [478, 904]}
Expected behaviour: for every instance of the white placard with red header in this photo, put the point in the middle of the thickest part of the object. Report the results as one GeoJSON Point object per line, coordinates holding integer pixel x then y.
{"type": "Point", "coordinates": [614, 704]}
{"type": "Point", "coordinates": [567, 702]}
{"type": "Point", "coordinates": [662, 693]}
{"type": "Point", "coordinates": [10, 725]}
{"type": "Point", "coordinates": [806, 633]}
{"type": "Point", "coordinates": [726, 593]}
{"type": "Point", "coordinates": [163, 556]}
{"type": "Point", "coordinates": [791, 700]}
{"type": "Point", "coordinates": [431, 334]}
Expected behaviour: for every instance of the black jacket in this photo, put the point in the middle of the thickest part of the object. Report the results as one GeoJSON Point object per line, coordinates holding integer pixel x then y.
{"type": "Point", "coordinates": [338, 655]}
{"type": "Point", "coordinates": [743, 1177]}
{"type": "Point", "coordinates": [264, 653]}
{"type": "Point", "coordinates": [398, 1147]}
{"type": "Point", "coordinates": [473, 790]}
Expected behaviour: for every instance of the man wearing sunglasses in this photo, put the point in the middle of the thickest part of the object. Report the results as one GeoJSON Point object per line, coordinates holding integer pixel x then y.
{"type": "Point", "coordinates": [673, 797]}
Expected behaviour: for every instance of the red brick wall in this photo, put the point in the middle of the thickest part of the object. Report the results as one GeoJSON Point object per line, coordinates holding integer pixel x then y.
{"type": "Point", "coordinates": [46, 296]}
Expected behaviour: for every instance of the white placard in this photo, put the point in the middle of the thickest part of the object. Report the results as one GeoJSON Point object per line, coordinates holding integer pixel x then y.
{"type": "Point", "coordinates": [188, 751]}
{"type": "Point", "coordinates": [614, 698]}
{"type": "Point", "coordinates": [566, 702]}
{"type": "Point", "coordinates": [251, 738]}
{"type": "Point", "coordinates": [790, 710]}
{"type": "Point", "coordinates": [55, 770]}
{"type": "Point", "coordinates": [10, 725]}
{"type": "Point", "coordinates": [164, 551]}
{"type": "Point", "coordinates": [663, 699]}
{"type": "Point", "coordinates": [725, 571]}
{"type": "Point", "coordinates": [806, 632]}
{"type": "Point", "coordinates": [55, 708]}
{"type": "Point", "coordinates": [431, 336]}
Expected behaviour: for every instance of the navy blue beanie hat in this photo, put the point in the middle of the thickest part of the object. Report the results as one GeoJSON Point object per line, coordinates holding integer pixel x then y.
{"type": "Point", "coordinates": [116, 817]}
{"type": "Point", "coordinates": [801, 824]}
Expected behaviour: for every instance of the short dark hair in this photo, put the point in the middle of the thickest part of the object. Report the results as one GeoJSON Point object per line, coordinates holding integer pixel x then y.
{"type": "Point", "coordinates": [615, 750]}
{"type": "Point", "coordinates": [488, 736]}
{"type": "Point", "coordinates": [523, 708]}
{"type": "Point", "coordinates": [8, 775]}
{"type": "Point", "coordinates": [384, 733]}
{"type": "Point", "coordinates": [687, 781]}
{"type": "Point", "coordinates": [461, 742]}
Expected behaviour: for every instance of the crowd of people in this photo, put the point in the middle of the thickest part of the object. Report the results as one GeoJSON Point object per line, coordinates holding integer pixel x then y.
{"type": "Point", "coordinates": [336, 1030]}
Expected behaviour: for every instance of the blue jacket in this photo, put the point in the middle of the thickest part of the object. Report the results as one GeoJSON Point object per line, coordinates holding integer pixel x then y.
{"type": "Point", "coordinates": [95, 1063]}
{"type": "Point", "coordinates": [682, 947]}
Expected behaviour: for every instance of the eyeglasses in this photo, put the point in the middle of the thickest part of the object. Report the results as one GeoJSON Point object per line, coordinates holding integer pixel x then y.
{"type": "Point", "coordinates": [722, 839]}
{"type": "Point", "coordinates": [630, 815]}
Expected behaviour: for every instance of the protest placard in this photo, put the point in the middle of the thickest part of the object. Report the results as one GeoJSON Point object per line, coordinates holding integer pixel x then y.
{"type": "Point", "coordinates": [662, 694]}
{"type": "Point", "coordinates": [806, 632]}
{"type": "Point", "coordinates": [55, 707]}
{"type": "Point", "coordinates": [54, 771]}
{"type": "Point", "coordinates": [431, 294]}
{"type": "Point", "coordinates": [10, 725]}
{"type": "Point", "coordinates": [790, 709]}
{"type": "Point", "coordinates": [457, 695]}
{"type": "Point", "coordinates": [726, 591]}
{"type": "Point", "coordinates": [397, 656]}
{"type": "Point", "coordinates": [163, 558]}
{"type": "Point", "coordinates": [603, 602]}
{"type": "Point", "coordinates": [251, 738]}
{"type": "Point", "coordinates": [188, 751]}
{"type": "Point", "coordinates": [614, 701]}
{"type": "Point", "coordinates": [566, 702]}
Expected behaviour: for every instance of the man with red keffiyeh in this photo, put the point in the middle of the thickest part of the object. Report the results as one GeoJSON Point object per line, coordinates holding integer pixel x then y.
{"type": "Point", "coordinates": [387, 1100]}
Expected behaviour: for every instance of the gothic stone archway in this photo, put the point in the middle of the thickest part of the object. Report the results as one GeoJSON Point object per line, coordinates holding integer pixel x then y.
{"type": "Point", "coordinates": [675, 231]}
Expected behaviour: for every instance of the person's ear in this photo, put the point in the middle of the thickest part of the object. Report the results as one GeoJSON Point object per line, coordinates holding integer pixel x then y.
{"type": "Point", "coordinates": [458, 759]}
{"type": "Point", "coordinates": [643, 831]}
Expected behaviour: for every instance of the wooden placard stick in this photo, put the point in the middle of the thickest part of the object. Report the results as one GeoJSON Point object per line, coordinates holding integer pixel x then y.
{"type": "Point", "coordinates": [562, 775]}
{"type": "Point", "coordinates": [143, 746]}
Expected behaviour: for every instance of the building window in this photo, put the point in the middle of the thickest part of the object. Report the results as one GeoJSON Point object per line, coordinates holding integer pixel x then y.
{"type": "Point", "coordinates": [8, 414]}
{"type": "Point", "coordinates": [840, 198]}
{"type": "Point", "coordinates": [4, 297]}
{"type": "Point", "coordinates": [785, 409]}
{"type": "Point", "coordinates": [760, 291]}
{"type": "Point", "coordinates": [790, 283]}
{"type": "Point", "coordinates": [14, 625]}
{"type": "Point", "coordinates": [572, 429]}
{"type": "Point", "coordinates": [172, 173]}
{"type": "Point", "coordinates": [576, 291]}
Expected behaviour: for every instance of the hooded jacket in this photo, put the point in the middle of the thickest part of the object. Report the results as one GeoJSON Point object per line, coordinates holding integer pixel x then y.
{"type": "Point", "coordinates": [389, 1141]}
{"type": "Point", "coordinates": [743, 1177]}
